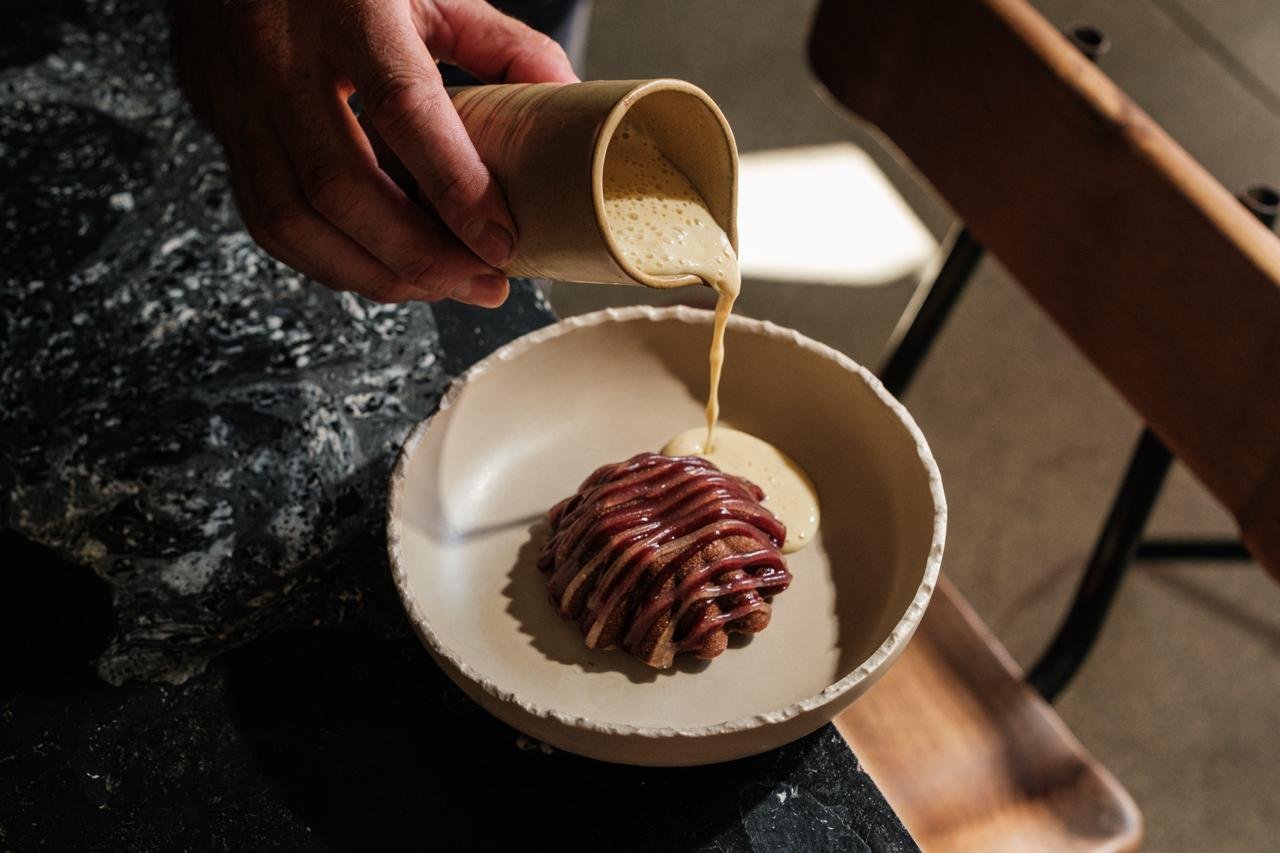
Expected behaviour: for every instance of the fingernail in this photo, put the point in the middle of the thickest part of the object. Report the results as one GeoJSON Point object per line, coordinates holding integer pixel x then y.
{"type": "Point", "coordinates": [487, 291]}
{"type": "Point", "coordinates": [489, 240]}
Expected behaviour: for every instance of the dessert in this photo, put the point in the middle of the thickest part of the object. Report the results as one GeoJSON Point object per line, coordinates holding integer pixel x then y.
{"type": "Point", "coordinates": [670, 554]}
{"type": "Point", "coordinates": [788, 492]}
{"type": "Point", "coordinates": [664, 555]}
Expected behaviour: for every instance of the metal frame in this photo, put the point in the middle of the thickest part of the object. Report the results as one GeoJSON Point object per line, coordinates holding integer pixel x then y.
{"type": "Point", "coordinates": [1120, 540]}
{"type": "Point", "coordinates": [1112, 554]}
{"type": "Point", "coordinates": [928, 311]}
{"type": "Point", "coordinates": [1161, 549]}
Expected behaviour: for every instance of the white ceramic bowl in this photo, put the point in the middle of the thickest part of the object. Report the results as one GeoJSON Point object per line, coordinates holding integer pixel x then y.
{"type": "Point", "coordinates": [520, 431]}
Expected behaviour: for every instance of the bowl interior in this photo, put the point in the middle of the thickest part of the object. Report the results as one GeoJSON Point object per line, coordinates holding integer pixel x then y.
{"type": "Point", "coordinates": [524, 432]}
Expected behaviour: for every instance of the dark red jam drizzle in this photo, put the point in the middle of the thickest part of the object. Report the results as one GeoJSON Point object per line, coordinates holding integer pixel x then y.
{"type": "Point", "coordinates": [606, 538]}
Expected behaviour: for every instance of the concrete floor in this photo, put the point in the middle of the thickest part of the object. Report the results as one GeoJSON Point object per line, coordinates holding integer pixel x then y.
{"type": "Point", "coordinates": [1181, 698]}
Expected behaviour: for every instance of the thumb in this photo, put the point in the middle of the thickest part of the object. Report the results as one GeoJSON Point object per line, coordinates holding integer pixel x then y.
{"type": "Point", "coordinates": [497, 48]}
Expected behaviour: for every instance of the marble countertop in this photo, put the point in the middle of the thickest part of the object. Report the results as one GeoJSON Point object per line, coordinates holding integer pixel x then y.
{"type": "Point", "coordinates": [202, 647]}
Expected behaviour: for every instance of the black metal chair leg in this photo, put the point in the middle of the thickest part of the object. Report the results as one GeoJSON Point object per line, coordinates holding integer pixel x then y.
{"type": "Point", "coordinates": [1192, 549]}
{"type": "Point", "coordinates": [929, 309]}
{"type": "Point", "coordinates": [1111, 556]}
{"type": "Point", "coordinates": [1120, 541]}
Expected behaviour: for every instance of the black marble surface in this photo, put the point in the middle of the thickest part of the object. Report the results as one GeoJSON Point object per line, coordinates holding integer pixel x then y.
{"type": "Point", "coordinates": [201, 645]}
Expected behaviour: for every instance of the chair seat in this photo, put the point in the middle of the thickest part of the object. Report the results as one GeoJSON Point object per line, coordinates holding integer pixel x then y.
{"type": "Point", "coordinates": [971, 758]}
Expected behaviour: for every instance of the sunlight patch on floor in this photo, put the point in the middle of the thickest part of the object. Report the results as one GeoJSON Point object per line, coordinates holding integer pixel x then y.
{"type": "Point", "coordinates": [826, 214]}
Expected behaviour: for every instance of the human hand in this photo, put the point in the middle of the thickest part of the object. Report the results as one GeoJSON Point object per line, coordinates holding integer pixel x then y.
{"type": "Point", "coordinates": [271, 78]}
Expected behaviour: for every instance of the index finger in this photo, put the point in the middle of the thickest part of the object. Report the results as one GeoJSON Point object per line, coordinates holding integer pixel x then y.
{"type": "Point", "coordinates": [407, 104]}
{"type": "Point", "coordinates": [500, 49]}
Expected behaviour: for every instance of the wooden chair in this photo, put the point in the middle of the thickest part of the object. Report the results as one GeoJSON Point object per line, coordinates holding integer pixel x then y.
{"type": "Point", "coordinates": [972, 758]}
{"type": "Point", "coordinates": [1165, 282]}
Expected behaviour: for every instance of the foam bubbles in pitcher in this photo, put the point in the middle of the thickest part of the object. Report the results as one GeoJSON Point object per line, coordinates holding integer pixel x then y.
{"type": "Point", "coordinates": [658, 219]}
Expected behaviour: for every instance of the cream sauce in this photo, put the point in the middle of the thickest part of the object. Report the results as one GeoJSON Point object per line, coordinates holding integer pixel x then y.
{"type": "Point", "coordinates": [788, 492]}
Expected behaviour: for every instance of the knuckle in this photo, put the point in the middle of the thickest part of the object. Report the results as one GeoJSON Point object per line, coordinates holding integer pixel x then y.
{"type": "Point", "coordinates": [434, 285]}
{"type": "Point", "coordinates": [438, 281]}
{"type": "Point", "coordinates": [333, 189]}
{"type": "Point", "coordinates": [383, 290]}
{"type": "Point", "coordinates": [258, 232]}
{"type": "Point", "coordinates": [457, 194]}
{"type": "Point", "coordinates": [539, 46]}
{"type": "Point", "coordinates": [399, 101]}
{"type": "Point", "coordinates": [437, 289]}
{"type": "Point", "coordinates": [545, 44]}
{"type": "Point", "coordinates": [250, 218]}
{"type": "Point", "coordinates": [283, 223]}
{"type": "Point", "coordinates": [418, 270]}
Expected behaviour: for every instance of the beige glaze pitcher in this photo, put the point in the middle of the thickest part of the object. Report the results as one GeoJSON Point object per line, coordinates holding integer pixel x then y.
{"type": "Point", "coordinates": [547, 145]}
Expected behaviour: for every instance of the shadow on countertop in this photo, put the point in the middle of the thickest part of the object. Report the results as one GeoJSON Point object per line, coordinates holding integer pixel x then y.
{"type": "Point", "coordinates": [55, 619]}
{"type": "Point", "coordinates": [347, 736]}
{"type": "Point", "coordinates": [375, 748]}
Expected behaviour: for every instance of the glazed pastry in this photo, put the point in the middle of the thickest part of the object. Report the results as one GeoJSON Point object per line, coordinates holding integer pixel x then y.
{"type": "Point", "coordinates": [663, 555]}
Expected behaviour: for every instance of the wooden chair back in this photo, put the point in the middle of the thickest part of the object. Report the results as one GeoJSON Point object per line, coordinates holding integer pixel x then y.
{"type": "Point", "coordinates": [1157, 273]}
